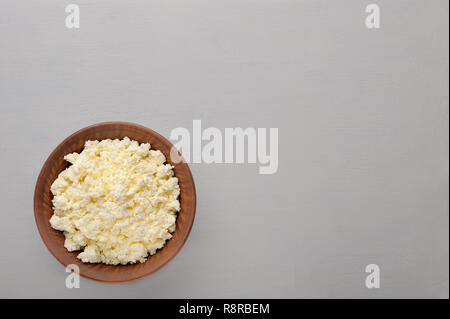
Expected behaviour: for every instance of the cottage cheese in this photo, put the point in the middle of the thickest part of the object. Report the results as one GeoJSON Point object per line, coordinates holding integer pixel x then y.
{"type": "Point", "coordinates": [117, 202]}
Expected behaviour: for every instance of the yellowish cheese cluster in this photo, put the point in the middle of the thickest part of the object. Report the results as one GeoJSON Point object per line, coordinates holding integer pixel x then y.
{"type": "Point", "coordinates": [117, 202]}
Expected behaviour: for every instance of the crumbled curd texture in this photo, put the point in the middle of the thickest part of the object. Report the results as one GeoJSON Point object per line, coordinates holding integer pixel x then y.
{"type": "Point", "coordinates": [117, 202]}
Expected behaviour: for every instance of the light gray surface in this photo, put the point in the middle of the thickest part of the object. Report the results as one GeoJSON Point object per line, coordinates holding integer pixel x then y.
{"type": "Point", "coordinates": [363, 117]}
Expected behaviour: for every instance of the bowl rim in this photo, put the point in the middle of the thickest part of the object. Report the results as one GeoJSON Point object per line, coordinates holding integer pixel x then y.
{"type": "Point", "coordinates": [61, 145]}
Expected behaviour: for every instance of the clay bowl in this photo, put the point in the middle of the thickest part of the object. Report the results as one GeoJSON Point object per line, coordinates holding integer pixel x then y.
{"type": "Point", "coordinates": [54, 240]}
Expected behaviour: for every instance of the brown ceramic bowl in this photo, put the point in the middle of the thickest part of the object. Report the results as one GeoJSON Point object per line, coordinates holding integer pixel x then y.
{"type": "Point", "coordinates": [54, 240]}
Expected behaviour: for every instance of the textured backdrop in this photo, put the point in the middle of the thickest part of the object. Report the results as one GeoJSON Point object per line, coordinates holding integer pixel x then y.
{"type": "Point", "coordinates": [363, 120]}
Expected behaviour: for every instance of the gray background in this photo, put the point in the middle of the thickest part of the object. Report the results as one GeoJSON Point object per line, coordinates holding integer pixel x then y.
{"type": "Point", "coordinates": [363, 119]}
